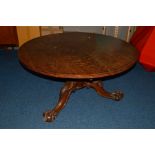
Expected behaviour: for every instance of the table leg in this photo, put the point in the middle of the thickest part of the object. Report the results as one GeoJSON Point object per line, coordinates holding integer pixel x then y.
{"type": "Point", "coordinates": [71, 86]}
{"type": "Point", "coordinates": [65, 93]}
{"type": "Point", "coordinates": [98, 86]}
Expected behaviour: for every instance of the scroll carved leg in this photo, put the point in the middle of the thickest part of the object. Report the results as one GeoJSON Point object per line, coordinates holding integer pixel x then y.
{"type": "Point", "coordinates": [71, 86]}
{"type": "Point", "coordinates": [97, 85]}
{"type": "Point", "coordinates": [65, 93]}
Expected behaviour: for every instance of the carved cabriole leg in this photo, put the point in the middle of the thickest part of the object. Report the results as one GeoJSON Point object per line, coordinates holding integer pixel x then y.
{"type": "Point", "coordinates": [71, 86]}
{"type": "Point", "coordinates": [65, 93]}
{"type": "Point", "coordinates": [98, 86]}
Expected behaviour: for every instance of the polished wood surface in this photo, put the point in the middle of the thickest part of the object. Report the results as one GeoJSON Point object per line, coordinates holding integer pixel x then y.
{"type": "Point", "coordinates": [71, 86]}
{"type": "Point", "coordinates": [80, 58]}
{"type": "Point", "coordinates": [77, 55]}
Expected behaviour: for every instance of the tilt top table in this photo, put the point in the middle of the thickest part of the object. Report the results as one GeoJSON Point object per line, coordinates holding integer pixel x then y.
{"type": "Point", "coordinates": [83, 59]}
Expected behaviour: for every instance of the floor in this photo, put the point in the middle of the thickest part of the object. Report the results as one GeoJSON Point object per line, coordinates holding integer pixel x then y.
{"type": "Point", "coordinates": [24, 96]}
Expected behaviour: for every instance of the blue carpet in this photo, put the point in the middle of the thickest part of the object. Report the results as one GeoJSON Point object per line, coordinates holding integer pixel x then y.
{"type": "Point", "coordinates": [25, 96]}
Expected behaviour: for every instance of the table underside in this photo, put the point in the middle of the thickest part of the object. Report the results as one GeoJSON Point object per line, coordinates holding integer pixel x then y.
{"type": "Point", "coordinates": [71, 86]}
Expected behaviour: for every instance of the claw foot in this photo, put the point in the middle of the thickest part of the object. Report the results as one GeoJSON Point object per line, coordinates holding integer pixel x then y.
{"type": "Point", "coordinates": [117, 95]}
{"type": "Point", "coordinates": [49, 116]}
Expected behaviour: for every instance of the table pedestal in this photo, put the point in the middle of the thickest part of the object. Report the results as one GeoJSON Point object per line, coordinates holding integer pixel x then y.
{"type": "Point", "coordinates": [70, 87]}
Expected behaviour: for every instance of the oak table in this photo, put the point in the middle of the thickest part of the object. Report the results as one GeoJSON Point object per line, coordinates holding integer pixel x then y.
{"type": "Point", "coordinates": [82, 59]}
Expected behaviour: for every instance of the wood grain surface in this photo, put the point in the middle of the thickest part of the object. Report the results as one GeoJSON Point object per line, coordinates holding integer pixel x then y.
{"type": "Point", "coordinates": [77, 55]}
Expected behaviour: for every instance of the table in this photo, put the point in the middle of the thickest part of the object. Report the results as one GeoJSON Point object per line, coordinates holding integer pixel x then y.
{"type": "Point", "coordinates": [82, 59]}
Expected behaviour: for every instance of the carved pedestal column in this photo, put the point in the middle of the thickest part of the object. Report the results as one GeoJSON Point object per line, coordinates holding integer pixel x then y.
{"type": "Point", "coordinates": [71, 86]}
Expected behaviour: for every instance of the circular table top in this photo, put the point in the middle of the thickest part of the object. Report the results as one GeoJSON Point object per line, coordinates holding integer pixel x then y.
{"type": "Point", "coordinates": [77, 55]}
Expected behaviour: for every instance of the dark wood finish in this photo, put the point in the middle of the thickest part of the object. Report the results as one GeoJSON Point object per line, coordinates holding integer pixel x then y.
{"type": "Point", "coordinates": [77, 55]}
{"type": "Point", "coordinates": [70, 87]}
{"type": "Point", "coordinates": [81, 59]}
{"type": "Point", "coordinates": [8, 36]}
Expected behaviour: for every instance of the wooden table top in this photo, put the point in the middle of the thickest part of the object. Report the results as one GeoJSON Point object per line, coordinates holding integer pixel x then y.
{"type": "Point", "coordinates": [77, 55]}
